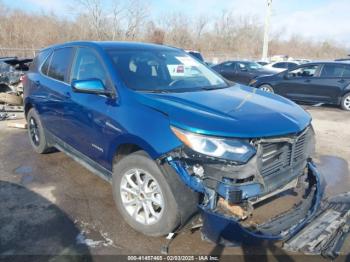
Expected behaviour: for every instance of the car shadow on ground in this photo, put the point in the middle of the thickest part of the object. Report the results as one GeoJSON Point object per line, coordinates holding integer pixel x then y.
{"type": "Point", "coordinates": [34, 229]}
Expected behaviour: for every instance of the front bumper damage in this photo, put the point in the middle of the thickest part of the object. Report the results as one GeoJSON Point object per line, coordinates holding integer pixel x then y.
{"type": "Point", "coordinates": [228, 209]}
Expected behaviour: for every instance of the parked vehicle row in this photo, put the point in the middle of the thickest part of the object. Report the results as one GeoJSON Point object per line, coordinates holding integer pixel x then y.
{"type": "Point", "coordinates": [318, 82]}
{"type": "Point", "coordinates": [170, 143]}
{"type": "Point", "coordinates": [321, 82]}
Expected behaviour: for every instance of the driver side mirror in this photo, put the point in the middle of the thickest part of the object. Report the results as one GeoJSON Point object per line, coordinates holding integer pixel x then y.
{"type": "Point", "coordinates": [91, 86]}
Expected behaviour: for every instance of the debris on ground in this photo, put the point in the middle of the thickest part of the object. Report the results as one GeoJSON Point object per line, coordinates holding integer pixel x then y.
{"type": "Point", "coordinates": [17, 124]}
{"type": "Point", "coordinates": [326, 234]}
{"type": "Point", "coordinates": [88, 231]}
{"type": "Point", "coordinates": [7, 116]}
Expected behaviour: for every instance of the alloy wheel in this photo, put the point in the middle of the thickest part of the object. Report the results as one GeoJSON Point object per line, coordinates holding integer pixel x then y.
{"type": "Point", "coordinates": [34, 131]}
{"type": "Point", "coordinates": [347, 102]}
{"type": "Point", "coordinates": [141, 196]}
{"type": "Point", "coordinates": [266, 88]}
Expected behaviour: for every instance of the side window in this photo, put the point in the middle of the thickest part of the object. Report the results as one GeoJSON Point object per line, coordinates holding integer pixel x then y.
{"type": "Point", "coordinates": [228, 65]}
{"type": "Point", "coordinates": [242, 66]}
{"type": "Point", "coordinates": [279, 65]}
{"type": "Point", "coordinates": [346, 72]}
{"type": "Point", "coordinates": [291, 66]}
{"type": "Point", "coordinates": [305, 71]}
{"type": "Point", "coordinates": [40, 57]}
{"type": "Point", "coordinates": [45, 66]}
{"type": "Point", "coordinates": [88, 66]}
{"type": "Point", "coordinates": [59, 64]}
{"type": "Point", "coordinates": [332, 70]}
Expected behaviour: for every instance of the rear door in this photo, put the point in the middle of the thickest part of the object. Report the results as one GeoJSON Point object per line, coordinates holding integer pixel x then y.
{"type": "Point", "coordinates": [300, 83]}
{"type": "Point", "coordinates": [55, 91]}
{"type": "Point", "coordinates": [228, 70]}
{"type": "Point", "coordinates": [332, 80]}
{"type": "Point", "coordinates": [243, 73]}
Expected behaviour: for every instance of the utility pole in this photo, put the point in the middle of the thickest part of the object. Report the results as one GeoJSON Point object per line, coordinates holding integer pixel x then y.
{"type": "Point", "coordinates": [266, 31]}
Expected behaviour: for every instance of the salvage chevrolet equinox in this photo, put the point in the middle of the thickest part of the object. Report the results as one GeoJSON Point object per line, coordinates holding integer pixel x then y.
{"type": "Point", "coordinates": [176, 140]}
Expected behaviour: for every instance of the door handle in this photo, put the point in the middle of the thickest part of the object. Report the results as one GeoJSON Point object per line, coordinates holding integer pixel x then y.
{"type": "Point", "coordinates": [37, 83]}
{"type": "Point", "coordinates": [68, 95]}
{"type": "Point", "coordinates": [307, 81]}
{"type": "Point", "coordinates": [341, 81]}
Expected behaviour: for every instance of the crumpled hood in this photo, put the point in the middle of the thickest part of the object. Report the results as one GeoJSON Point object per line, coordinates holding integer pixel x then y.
{"type": "Point", "coordinates": [238, 111]}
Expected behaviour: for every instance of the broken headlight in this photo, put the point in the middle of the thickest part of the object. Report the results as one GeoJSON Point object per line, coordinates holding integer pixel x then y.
{"type": "Point", "coordinates": [230, 149]}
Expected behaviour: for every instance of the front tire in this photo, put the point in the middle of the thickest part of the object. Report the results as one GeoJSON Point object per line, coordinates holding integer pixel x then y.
{"type": "Point", "coordinates": [345, 102]}
{"type": "Point", "coordinates": [267, 88]}
{"type": "Point", "coordinates": [36, 133]}
{"type": "Point", "coordinates": [144, 197]}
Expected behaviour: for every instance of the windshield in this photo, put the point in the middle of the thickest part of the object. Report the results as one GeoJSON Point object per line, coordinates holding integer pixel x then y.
{"type": "Point", "coordinates": [164, 70]}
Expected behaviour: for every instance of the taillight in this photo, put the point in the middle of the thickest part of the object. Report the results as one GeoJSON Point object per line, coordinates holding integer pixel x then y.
{"type": "Point", "coordinates": [23, 79]}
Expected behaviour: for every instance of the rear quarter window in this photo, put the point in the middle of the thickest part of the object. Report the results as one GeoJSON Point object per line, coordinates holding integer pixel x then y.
{"type": "Point", "coordinates": [59, 64]}
{"type": "Point", "coordinates": [38, 60]}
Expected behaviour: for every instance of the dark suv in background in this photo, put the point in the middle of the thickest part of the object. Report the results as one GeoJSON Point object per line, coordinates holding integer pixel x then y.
{"type": "Point", "coordinates": [319, 82]}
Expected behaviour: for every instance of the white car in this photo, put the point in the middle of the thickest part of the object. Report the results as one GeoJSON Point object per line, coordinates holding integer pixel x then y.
{"type": "Point", "coordinates": [282, 66]}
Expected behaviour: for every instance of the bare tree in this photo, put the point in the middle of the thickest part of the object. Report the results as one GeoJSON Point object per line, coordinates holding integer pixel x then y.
{"type": "Point", "coordinates": [137, 13]}
{"type": "Point", "coordinates": [225, 36]}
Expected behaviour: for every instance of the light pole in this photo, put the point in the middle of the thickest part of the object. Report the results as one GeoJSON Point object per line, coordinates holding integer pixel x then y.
{"type": "Point", "coordinates": [266, 30]}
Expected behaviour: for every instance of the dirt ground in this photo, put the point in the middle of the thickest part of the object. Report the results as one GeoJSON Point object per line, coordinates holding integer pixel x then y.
{"type": "Point", "coordinates": [50, 205]}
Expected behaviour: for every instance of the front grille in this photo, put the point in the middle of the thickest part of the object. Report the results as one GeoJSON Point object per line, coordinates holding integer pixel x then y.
{"type": "Point", "coordinates": [282, 155]}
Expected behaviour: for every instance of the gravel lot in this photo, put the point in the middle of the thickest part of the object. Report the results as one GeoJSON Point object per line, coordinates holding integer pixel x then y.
{"type": "Point", "coordinates": [52, 205]}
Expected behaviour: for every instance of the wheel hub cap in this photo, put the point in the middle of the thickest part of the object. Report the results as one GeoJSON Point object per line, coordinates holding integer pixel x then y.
{"type": "Point", "coordinates": [141, 196]}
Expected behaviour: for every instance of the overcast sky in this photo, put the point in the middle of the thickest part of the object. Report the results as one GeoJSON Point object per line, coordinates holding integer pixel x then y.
{"type": "Point", "coordinates": [316, 19]}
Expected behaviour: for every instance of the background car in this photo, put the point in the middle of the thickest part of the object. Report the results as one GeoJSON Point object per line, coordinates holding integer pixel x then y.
{"type": "Point", "coordinates": [262, 63]}
{"type": "Point", "coordinates": [241, 71]}
{"type": "Point", "coordinates": [321, 82]}
{"type": "Point", "coordinates": [281, 66]}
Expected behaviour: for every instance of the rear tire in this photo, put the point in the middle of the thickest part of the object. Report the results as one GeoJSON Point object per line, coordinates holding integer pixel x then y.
{"type": "Point", "coordinates": [267, 88]}
{"type": "Point", "coordinates": [36, 133]}
{"type": "Point", "coordinates": [154, 210]}
{"type": "Point", "coordinates": [345, 102]}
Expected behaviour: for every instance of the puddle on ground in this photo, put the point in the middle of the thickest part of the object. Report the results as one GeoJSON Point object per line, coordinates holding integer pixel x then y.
{"type": "Point", "coordinates": [23, 170]}
{"type": "Point", "coordinates": [26, 179]}
{"type": "Point", "coordinates": [336, 172]}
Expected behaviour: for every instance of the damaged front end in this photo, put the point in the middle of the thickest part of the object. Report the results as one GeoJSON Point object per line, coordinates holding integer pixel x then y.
{"type": "Point", "coordinates": [272, 196]}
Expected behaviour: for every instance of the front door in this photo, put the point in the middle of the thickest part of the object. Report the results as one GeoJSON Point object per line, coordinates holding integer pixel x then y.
{"type": "Point", "coordinates": [300, 83]}
{"type": "Point", "coordinates": [88, 116]}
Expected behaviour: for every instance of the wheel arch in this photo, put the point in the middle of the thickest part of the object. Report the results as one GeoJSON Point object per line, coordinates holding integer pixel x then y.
{"type": "Point", "coordinates": [27, 107]}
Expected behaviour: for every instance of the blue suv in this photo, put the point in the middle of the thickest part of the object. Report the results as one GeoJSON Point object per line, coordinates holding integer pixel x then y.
{"type": "Point", "coordinates": [175, 139]}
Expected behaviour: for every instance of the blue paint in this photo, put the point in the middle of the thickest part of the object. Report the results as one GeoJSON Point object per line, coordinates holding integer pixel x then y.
{"type": "Point", "coordinates": [144, 119]}
{"type": "Point", "coordinates": [244, 191]}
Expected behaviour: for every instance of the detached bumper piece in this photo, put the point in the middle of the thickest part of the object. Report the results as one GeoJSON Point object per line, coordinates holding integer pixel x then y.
{"type": "Point", "coordinates": [326, 234]}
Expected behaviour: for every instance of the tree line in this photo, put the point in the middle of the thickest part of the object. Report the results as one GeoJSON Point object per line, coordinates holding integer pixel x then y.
{"type": "Point", "coordinates": [222, 36]}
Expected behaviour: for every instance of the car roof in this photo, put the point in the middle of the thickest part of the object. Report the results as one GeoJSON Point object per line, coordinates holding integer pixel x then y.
{"type": "Point", "coordinates": [109, 45]}
{"type": "Point", "coordinates": [329, 62]}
